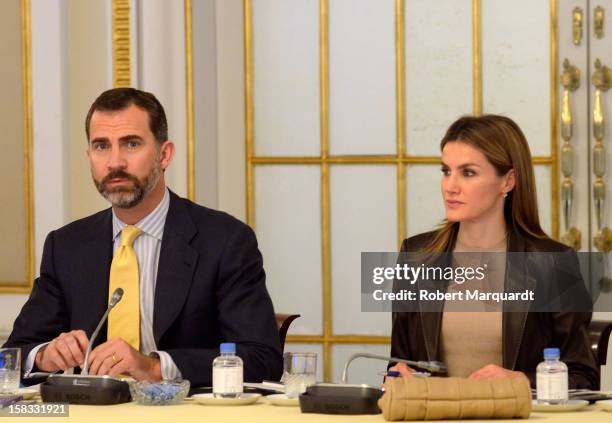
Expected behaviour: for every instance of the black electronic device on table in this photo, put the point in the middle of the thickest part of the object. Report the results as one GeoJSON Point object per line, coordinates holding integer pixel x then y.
{"type": "Point", "coordinates": [77, 389]}
{"type": "Point", "coordinates": [329, 398]}
{"type": "Point", "coordinates": [85, 389]}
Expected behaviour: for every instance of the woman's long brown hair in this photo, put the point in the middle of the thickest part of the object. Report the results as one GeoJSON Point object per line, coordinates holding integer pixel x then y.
{"type": "Point", "coordinates": [504, 145]}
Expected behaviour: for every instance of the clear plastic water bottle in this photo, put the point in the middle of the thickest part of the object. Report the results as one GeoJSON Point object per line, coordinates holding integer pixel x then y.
{"type": "Point", "coordinates": [551, 378]}
{"type": "Point", "coordinates": [227, 373]}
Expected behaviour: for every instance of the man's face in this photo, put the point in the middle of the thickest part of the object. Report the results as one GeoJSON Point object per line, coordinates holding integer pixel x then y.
{"type": "Point", "coordinates": [125, 159]}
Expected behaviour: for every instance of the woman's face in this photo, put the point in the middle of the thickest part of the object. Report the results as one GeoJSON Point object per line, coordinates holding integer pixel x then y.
{"type": "Point", "coordinates": [471, 188]}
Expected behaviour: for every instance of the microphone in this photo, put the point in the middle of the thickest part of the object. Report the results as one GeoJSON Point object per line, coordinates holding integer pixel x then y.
{"type": "Point", "coordinates": [432, 366]}
{"type": "Point", "coordinates": [115, 298]}
{"type": "Point", "coordinates": [84, 389]}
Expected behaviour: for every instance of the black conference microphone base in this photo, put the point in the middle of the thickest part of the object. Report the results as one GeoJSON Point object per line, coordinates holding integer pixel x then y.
{"type": "Point", "coordinates": [77, 389]}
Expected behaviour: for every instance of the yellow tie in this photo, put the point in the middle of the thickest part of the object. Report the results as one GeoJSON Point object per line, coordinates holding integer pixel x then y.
{"type": "Point", "coordinates": [124, 319]}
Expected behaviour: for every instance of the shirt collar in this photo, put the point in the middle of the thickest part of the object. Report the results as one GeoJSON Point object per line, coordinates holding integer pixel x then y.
{"type": "Point", "coordinates": [152, 224]}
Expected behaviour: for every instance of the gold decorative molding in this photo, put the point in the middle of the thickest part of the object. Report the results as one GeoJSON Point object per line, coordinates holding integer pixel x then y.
{"type": "Point", "coordinates": [476, 57]}
{"type": "Point", "coordinates": [340, 339]}
{"type": "Point", "coordinates": [365, 159]}
{"type": "Point", "coordinates": [28, 168]}
{"type": "Point", "coordinates": [122, 70]}
{"type": "Point", "coordinates": [400, 78]}
{"type": "Point", "coordinates": [189, 100]}
{"type": "Point", "coordinates": [554, 133]}
{"type": "Point", "coordinates": [577, 24]}
{"type": "Point", "coordinates": [14, 287]}
{"type": "Point", "coordinates": [570, 81]}
{"type": "Point", "coordinates": [325, 189]}
{"type": "Point", "coordinates": [248, 94]}
{"type": "Point", "coordinates": [602, 82]}
{"type": "Point", "coordinates": [599, 22]}
{"type": "Point", "coordinates": [26, 65]}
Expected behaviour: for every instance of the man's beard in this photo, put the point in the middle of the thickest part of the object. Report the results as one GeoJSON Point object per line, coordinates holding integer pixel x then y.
{"type": "Point", "coordinates": [127, 197]}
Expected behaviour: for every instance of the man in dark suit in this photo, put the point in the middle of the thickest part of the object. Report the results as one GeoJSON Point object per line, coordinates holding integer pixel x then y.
{"type": "Point", "coordinates": [200, 281]}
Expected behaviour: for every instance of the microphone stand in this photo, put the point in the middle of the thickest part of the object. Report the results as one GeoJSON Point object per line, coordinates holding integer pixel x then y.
{"type": "Point", "coordinates": [117, 295]}
{"type": "Point", "coordinates": [85, 389]}
{"type": "Point", "coordinates": [432, 366]}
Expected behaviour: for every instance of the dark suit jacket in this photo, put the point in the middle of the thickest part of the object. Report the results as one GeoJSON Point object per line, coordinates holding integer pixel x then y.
{"type": "Point", "coordinates": [416, 335]}
{"type": "Point", "coordinates": [210, 289]}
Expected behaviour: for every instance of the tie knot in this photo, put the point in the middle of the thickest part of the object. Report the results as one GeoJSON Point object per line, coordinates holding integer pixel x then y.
{"type": "Point", "coordinates": [128, 235]}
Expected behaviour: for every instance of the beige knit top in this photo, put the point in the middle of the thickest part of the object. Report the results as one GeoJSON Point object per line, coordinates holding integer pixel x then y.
{"type": "Point", "coordinates": [472, 339]}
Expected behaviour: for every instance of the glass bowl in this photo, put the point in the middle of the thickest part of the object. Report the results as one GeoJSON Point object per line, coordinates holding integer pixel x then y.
{"type": "Point", "coordinates": [159, 393]}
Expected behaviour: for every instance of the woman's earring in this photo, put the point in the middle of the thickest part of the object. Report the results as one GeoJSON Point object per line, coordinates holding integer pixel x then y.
{"type": "Point", "coordinates": [505, 194]}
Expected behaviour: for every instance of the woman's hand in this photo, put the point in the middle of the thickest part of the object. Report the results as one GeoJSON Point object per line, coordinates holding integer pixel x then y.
{"type": "Point", "coordinates": [404, 370]}
{"type": "Point", "coordinates": [492, 371]}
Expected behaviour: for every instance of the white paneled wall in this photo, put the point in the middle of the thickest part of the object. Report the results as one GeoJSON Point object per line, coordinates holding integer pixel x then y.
{"type": "Point", "coordinates": [290, 217]}
{"type": "Point", "coordinates": [516, 66]}
{"type": "Point", "coordinates": [424, 206]}
{"type": "Point", "coordinates": [160, 59]}
{"type": "Point", "coordinates": [362, 77]}
{"type": "Point", "coordinates": [438, 51]}
{"type": "Point", "coordinates": [363, 218]}
{"type": "Point", "coordinates": [286, 77]}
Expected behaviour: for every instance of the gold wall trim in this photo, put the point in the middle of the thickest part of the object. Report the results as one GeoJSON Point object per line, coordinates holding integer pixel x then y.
{"type": "Point", "coordinates": [542, 160]}
{"type": "Point", "coordinates": [476, 57]}
{"type": "Point", "coordinates": [352, 160]}
{"type": "Point", "coordinates": [339, 339]}
{"type": "Point", "coordinates": [122, 70]}
{"type": "Point", "coordinates": [325, 190]}
{"type": "Point", "coordinates": [286, 160]}
{"type": "Point", "coordinates": [305, 339]}
{"type": "Point", "coordinates": [26, 66]}
{"type": "Point", "coordinates": [248, 105]}
{"type": "Point", "coordinates": [554, 174]}
{"type": "Point", "coordinates": [360, 339]}
{"type": "Point", "coordinates": [400, 78]}
{"type": "Point", "coordinates": [189, 100]}
{"type": "Point", "coordinates": [28, 168]}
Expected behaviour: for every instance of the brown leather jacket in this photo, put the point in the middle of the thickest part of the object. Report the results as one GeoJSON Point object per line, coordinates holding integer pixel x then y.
{"type": "Point", "coordinates": [416, 335]}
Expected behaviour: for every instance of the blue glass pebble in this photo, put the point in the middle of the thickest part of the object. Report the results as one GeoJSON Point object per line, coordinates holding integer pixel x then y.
{"type": "Point", "coordinates": [161, 393]}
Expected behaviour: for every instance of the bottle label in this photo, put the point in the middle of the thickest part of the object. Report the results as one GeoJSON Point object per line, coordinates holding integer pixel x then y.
{"type": "Point", "coordinates": [227, 380]}
{"type": "Point", "coordinates": [551, 386]}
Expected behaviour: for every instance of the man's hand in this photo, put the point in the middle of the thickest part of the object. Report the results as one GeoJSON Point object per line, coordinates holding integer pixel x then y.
{"type": "Point", "coordinates": [117, 357]}
{"type": "Point", "coordinates": [492, 371]}
{"type": "Point", "coordinates": [64, 352]}
{"type": "Point", "coordinates": [404, 370]}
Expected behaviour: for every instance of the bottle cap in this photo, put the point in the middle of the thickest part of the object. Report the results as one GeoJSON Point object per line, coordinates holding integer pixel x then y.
{"type": "Point", "coordinates": [551, 353]}
{"type": "Point", "coordinates": [228, 347]}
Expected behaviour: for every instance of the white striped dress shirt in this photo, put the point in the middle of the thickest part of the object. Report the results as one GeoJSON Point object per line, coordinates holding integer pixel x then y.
{"type": "Point", "coordinates": [147, 247]}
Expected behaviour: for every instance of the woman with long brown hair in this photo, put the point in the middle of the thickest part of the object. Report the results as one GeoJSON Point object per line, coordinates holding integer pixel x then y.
{"type": "Point", "coordinates": [488, 188]}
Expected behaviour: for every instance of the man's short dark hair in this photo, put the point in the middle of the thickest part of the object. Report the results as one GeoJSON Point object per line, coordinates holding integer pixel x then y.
{"type": "Point", "coordinates": [121, 98]}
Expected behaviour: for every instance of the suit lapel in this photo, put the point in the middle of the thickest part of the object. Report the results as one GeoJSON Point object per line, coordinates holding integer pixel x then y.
{"type": "Point", "coordinates": [431, 311]}
{"type": "Point", "coordinates": [177, 262]}
{"type": "Point", "coordinates": [514, 315]}
{"type": "Point", "coordinates": [90, 290]}
{"type": "Point", "coordinates": [431, 316]}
